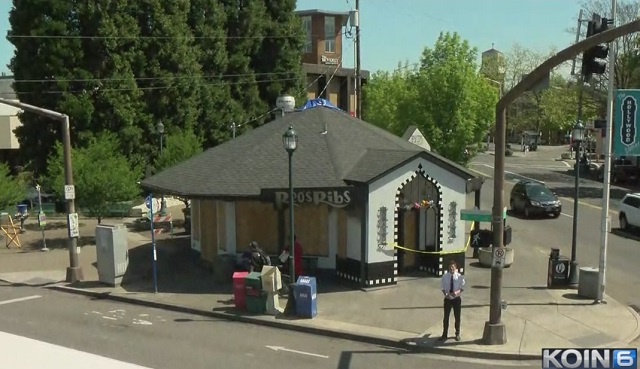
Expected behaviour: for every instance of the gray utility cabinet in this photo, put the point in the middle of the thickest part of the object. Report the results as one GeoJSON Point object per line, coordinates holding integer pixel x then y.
{"type": "Point", "coordinates": [112, 251]}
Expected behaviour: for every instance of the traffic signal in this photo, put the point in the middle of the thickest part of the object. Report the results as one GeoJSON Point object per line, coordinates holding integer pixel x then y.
{"type": "Point", "coordinates": [594, 59]}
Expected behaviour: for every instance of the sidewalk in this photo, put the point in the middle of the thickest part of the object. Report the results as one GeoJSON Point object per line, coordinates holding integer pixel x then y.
{"type": "Point", "coordinates": [406, 316]}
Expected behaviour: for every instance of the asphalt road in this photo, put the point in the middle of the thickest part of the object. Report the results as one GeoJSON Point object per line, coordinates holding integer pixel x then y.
{"type": "Point", "coordinates": [160, 339]}
{"type": "Point", "coordinates": [539, 235]}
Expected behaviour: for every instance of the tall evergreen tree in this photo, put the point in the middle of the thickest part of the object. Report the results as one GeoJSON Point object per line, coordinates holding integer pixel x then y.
{"type": "Point", "coordinates": [278, 62]}
{"type": "Point", "coordinates": [46, 65]}
{"type": "Point", "coordinates": [207, 20]}
{"type": "Point", "coordinates": [116, 99]}
{"type": "Point", "coordinates": [167, 65]}
{"type": "Point", "coordinates": [246, 22]}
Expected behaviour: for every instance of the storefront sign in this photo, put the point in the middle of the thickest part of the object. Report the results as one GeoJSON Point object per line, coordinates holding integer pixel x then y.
{"type": "Point", "coordinates": [329, 61]}
{"type": "Point", "coordinates": [334, 198]}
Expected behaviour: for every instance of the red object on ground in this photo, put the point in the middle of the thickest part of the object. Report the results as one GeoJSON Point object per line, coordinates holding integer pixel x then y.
{"type": "Point", "coordinates": [239, 291]}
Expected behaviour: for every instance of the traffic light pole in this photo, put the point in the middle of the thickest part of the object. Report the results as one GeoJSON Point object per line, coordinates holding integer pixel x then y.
{"type": "Point", "coordinates": [495, 331]}
{"type": "Point", "coordinates": [573, 266]}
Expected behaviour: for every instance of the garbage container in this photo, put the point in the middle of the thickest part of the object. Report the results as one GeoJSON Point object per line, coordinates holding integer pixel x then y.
{"type": "Point", "coordinates": [305, 291]}
{"type": "Point", "coordinates": [558, 271]}
{"type": "Point", "coordinates": [22, 209]}
{"type": "Point", "coordinates": [256, 298]}
{"type": "Point", "coordinates": [112, 252]}
{"type": "Point", "coordinates": [239, 290]}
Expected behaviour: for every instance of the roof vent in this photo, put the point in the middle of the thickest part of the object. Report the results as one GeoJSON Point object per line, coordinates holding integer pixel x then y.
{"type": "Point", "coordinates": [286, 103]}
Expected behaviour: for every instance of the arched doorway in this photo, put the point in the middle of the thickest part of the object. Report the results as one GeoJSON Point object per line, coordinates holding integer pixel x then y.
{"type": "Point", "coordinates": [418, 220]}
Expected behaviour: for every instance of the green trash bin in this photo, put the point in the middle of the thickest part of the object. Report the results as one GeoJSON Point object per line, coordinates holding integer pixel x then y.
{"type": "Point", "coordinates": [256, 297]}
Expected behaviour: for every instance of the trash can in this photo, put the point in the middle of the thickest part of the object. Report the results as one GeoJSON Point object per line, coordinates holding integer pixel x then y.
{"type": "Point", "coordinates": [256, 298]}
{"type": "Point", "coordinates": [305, 291]}
{"type": "Point", "coordinates": [112, 252]}
{"type": "Point", "coordinates": [239, 290]}
{"type": "Point", "coordinates": [558, 271]}
{"type": "Point", "coordinates": [22, 209]}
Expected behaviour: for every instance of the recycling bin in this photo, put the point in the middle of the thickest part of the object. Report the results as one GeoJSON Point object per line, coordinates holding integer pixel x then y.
{"type": "Point", "coordinates": [256, 298]}
{"type": "Point", "coordinates": [558, 270]}
{"type": "Point", "coordinates": [239, 290]}
{"type": "Point", "coordinates": [306, 297]}
{"type": "Point", "coordinates": [112, 252]}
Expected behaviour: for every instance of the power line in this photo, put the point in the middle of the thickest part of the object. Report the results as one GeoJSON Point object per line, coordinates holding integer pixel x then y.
{"type": "Point", "coordinates": [188, 37]}
{"type": "Point", "coordinates": [148, 78]}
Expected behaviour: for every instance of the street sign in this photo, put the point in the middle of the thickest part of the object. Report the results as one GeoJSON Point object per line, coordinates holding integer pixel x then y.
{"type": "Point", "coordinates": [73, 226]}
{"type": "Point", "coordinates": [498, 257]}
{"type": "Point", "coordinates": [69, 192]}
{"type": "Point", "coordinates": [42, 219]}
{"type": "Point", "coordinates": [625, 119]}
{"type": "Point", "coordinates": [477, 215]}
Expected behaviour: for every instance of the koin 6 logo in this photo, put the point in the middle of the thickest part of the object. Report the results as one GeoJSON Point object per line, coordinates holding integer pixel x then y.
{"type": "Point", "coordinates": [589, 358]}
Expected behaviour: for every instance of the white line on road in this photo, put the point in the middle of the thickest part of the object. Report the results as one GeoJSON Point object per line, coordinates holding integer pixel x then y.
{"type": "Point", "coordinates": [19, 299]}
{"type": "Point", "coordinates": [280, 348]}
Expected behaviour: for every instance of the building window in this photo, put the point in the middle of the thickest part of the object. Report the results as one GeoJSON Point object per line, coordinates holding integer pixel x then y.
{"type": "Point", "coordinates": [306, 23]}
{"type": "Point", "coordinates": [329, 34]}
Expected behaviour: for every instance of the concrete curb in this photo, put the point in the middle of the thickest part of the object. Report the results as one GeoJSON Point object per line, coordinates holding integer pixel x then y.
{"type": "Point", "coordinates": [636, 333]}
{"type": "Point", "coordinates": [374, 340]}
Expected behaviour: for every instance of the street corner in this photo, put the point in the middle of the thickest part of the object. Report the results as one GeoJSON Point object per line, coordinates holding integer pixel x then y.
{"type": "Point", "coordinates": [34, 278]}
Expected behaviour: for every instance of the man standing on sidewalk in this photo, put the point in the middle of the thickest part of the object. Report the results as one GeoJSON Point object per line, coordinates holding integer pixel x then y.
{"type": "Point", "coordinates": [452, 284]}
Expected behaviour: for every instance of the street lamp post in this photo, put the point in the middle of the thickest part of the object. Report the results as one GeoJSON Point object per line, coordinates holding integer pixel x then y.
{"type": "Point", "coordinates": [578, 137]}
{"type": "Point", "coordinates": [290, 142]}
{"type": "Point", "coordinates": [163, 203]}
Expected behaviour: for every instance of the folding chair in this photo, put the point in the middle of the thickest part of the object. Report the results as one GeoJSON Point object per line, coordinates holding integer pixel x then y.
{"type": "Point", "coordinates": [10, 230]}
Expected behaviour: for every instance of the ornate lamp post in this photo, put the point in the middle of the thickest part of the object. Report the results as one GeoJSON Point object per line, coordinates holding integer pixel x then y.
{"type": "Point", "coordinates": [578, 137]}
{"type": "Point", "coordinates": [290, 143]}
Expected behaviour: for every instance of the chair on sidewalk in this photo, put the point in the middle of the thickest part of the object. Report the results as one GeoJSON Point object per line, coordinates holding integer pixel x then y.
{"type": "Point", "coordinates": [10, 230]}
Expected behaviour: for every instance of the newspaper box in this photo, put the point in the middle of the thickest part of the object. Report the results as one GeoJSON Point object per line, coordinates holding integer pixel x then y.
{"type": "Point", "coordinates": [239, 290]}
{"type": "Point", "coordinates": [305, 292]}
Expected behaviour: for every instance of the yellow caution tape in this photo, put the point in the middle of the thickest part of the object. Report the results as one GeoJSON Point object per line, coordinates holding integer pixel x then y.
{"type": "Point", "coordinates": [466, 246]}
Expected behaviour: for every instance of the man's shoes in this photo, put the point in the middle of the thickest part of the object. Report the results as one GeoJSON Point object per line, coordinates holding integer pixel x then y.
{"type": "Point", "coordinates": [443, 337]}
{"type": "Point", "coordinates": [457, 336]}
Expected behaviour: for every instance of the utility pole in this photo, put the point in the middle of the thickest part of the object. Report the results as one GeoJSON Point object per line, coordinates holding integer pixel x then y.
{"type": "Point", "coordinates": [358, 65]}
{"type": "Point", "coordinates": [605, 220]}
{"type": "Point", "coordinates": [74, 271]}
{"type": "Point", "coordinates": [573, 65]}
{"type": "Point", "coordinates": [233, 129]}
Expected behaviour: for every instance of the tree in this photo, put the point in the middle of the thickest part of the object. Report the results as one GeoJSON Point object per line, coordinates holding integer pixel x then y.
{"type": "Point", "coordinates": [102, 175]}
{"type": "Point", "coordinates": [12, 189]}
{"type": "Point", "coordinates": [180, 147]}
{"type": "Point", "coordinates": [445, 97]}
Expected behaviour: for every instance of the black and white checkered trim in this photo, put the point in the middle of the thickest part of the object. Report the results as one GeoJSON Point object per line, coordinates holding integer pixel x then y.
{"type": "Point", "coordinates": [381, 282]}
{"type": "Point", "coordinates": [348, 277]}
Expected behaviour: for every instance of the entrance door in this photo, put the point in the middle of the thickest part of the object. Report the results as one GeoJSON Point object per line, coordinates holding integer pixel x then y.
{"type": "Point", "coordinates": [408, 233]}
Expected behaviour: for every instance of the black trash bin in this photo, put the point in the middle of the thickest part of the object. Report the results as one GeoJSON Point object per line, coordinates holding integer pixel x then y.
{"type": "Point", "coordinates": [558, 271]}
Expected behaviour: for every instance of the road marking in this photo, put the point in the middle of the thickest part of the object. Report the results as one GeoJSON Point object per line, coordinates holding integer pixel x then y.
{"type": "Point", "coordinates": [280, 348]}
{"type": "Point", "coordinates": [19, 299]}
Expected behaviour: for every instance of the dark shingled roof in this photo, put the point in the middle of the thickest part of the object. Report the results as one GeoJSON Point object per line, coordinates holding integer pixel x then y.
{"type": "Point", "coordinates": [351, 151]}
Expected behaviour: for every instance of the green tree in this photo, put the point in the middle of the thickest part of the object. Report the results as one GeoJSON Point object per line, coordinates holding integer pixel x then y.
{"type": "Point", "coordinates": [455, 106]}
{"type": "Point", "coordinates": [102, 175]}
{"type": "Point", "coordinates": [49, 63]}
{"type": "Point", "coordinates": [278, 62]}
{"type": "Point", "coordinates": [12, 189]}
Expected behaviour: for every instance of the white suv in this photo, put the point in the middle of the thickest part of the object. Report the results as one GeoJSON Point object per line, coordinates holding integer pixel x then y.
{"type": "Point", "coordinates": [630, 211]}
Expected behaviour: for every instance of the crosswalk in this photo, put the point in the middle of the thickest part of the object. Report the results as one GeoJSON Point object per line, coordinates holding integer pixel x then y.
{"type": "Point", "coordinates": [17, 352]}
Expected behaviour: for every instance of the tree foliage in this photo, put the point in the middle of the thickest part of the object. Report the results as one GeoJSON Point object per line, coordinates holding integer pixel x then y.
{"type": "Point", "coordinates": [102, 175]}
{"type": "Point", "coordinates": [445, 97]}
{"type": "Point", "coordinates": [12, 189]}
{"type": "Point", "coordinates": [123, 66]}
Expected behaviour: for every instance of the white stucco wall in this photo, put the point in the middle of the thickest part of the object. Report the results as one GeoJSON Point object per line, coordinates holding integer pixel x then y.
{"type": "Point", "coordinates": [382, 192]}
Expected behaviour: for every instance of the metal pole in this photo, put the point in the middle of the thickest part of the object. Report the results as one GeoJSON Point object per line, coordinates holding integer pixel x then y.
{"type": "Point", "coordinates": [494, 330]}
{"type": "Point", "coordinates": [605, 220]}
{"type": "Point", "coordinates": [163, 203]}
{"type": "Point", "coordinates": [573, 269]}
{"type": "Point", "coordinates": [358, 65]}
{"type": "Point", "coordinates": [233, 128]}
{"type": "Point", "coordinates": [74, 271]}
{"type": "Point", "coordinates": [40, 213]}
{"type": "Point", "coordinates": [292, 270]}
{"type": "Point", "coordinates": [573, 63]}
{"type": "Point", "coordinates": [153, 245]}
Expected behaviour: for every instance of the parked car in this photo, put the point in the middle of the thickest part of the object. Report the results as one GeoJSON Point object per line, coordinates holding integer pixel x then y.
{"type": "Point", "coordinates": [629, 213]}
{"type": "Point", "coordinates": [622, 170]}
{"type": "Point", "coordinates": [534, 198]}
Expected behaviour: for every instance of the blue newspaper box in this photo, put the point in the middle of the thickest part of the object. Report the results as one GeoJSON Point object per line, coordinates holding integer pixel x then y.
{"type": "Point", "coordinates": [306, 297]}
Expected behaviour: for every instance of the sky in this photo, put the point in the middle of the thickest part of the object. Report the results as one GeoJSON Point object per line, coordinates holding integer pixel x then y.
{"type": "Point", "coordinates": [395, 31]}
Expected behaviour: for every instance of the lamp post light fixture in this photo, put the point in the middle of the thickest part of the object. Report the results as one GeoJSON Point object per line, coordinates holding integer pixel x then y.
{"type": "Point", "coordinates": [577, 137]}
{"type": "Point", "coordinates": [290, 143]}
{"type": "Point", "coordinates": [163, 203]}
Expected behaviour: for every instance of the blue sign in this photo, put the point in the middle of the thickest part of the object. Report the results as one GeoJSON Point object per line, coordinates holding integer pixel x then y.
{"type": "Point", "coordinates": [149, 201]}
{"type": "Point", "coordinates": [625, 117]}
{"type": "Point", "coordinates": [305, 292]}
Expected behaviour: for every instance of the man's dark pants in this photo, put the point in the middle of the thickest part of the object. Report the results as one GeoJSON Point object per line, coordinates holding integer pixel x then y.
{"type": "Point", "coordinates": [456, 305]}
